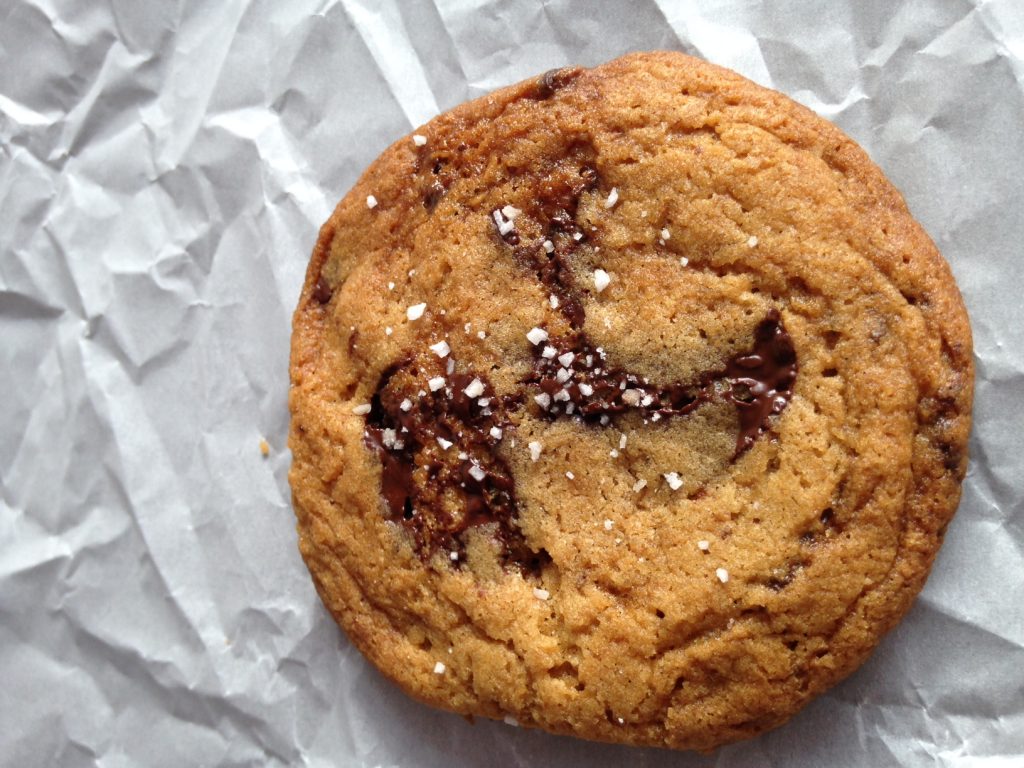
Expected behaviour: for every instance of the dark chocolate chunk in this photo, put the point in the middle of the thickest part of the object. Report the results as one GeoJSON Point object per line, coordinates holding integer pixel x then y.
{"type": "Point", "coordinates": [760, 382]}
{"type": "Point", "coordinates": [440, 473]}
{"type": "Point", "coordinates": [322, 292]}
{"type": "Point", "coordinates": [555, 79]}
{"type": "Point", "coordinates": [434, 194]}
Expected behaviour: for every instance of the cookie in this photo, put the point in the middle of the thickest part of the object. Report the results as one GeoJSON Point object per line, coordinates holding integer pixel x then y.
{"type": "Point", "coordinates": [628, 403]}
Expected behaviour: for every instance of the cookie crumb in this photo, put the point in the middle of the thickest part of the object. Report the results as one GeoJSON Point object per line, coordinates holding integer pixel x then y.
{"type": "Point", "coordinates": [703, 545]}
{"type": "Point", "coordinates": [537, 335]}
{"type": "Point", "coordinates": [419, 140]}
{"type": "Point", "coordinates": [441, 349]}
{"type": "Point", "coordinates": [601, 279]}
{"type": "Point", "coordinates": [613, 198]}
{"type": "Point", "coordinates": [672, 478]}
{"type": "Point", "coordinates": [535, 449]}
{"type": "Point", "coordinates": [264, 447]}
{"type": "Point", "coordinates": [722, 574]}
{"type": "Point", "coordinates": [362, 409]}
{"type": "Point", "coordinates": [371, 202]}
{"type": "Point", "coordinates": [439, 668]}
{"type": "Point", "coordinates": [752, 242]}
{"type": "Point", "coordinates": [541, 594]}
{"type": "Point", "coordinates": [415, 312]}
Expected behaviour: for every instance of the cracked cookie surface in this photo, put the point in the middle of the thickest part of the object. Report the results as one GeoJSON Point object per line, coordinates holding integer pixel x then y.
{"type": "Point", "coordinates": [628, 403]}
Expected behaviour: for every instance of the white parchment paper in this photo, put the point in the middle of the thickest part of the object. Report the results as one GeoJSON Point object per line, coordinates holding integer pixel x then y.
{"type": "Point", "coordinates": [164, 168]}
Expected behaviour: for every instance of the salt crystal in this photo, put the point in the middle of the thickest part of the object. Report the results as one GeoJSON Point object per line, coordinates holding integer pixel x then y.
{"type": "Point", "coordinates": [537, 335]}
{"type": "Point", "coordinates": [475, 388]}
{"type": "Point", "coordinates": [672, 478]}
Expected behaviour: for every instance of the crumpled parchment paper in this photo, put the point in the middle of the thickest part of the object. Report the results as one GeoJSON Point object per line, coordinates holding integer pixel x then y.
{"type": "Point", "coordinates": [164, 168]}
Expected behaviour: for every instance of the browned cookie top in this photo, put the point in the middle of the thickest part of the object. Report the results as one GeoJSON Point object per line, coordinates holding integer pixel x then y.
{"type": "Point", "coordinates": [628, 403]}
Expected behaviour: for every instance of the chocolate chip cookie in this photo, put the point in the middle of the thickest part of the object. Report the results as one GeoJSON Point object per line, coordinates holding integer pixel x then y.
{"type": "Point", "coordinates": [628, 403]}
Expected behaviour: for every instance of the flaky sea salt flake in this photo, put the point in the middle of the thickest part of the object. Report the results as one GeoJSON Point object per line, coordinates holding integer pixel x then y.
{"type": "Point", "coordinates": [537, 335]}
{"type": "Point", "coordinates": [475, 388]}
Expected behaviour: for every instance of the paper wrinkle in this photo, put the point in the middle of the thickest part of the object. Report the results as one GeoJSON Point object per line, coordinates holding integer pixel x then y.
{"type": "Point", "coordinates": [163, 173]}
{"type": "Point", "coordinates": [382, 29]}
